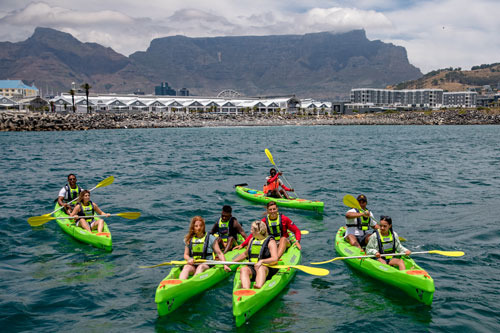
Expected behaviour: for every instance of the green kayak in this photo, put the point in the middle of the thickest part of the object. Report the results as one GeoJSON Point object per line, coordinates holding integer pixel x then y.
{"type": "Point", "coordinates": [172, 292]}
{"type": "Point", "coordinates": [258, 196]}
{"type": "Point", "coordinates": [415, 281]}
{"type": "Point", "coordinates": [101, 240]}
{"type": "Point", "coordinates": [246, 302]}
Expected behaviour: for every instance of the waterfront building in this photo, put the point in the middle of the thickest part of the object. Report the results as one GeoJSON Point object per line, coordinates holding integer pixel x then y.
{"type": "Point", "coordinates": [186, 104]}
{"type": "Point", "coordinates": [7, 103]}
{"type": "Point", "coordinates": [183, 92]}
{"type": "Point", "coordinates": [17, 89]}
{"type": "Point", "coordinates": [410, 98]}
{"type": "Point", "coordinates": [164, 90]}
{"type": "Point", "coordinates": [460, 99]}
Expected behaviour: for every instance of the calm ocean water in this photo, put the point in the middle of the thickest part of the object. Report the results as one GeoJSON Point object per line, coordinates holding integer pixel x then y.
{"type": "Point", "coordinates": [440, 184]}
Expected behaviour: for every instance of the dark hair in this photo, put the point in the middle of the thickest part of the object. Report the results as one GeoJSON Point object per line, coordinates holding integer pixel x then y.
{"type": "Point", "coordinates": [227, 209]}
{"type": "Point", "coordinates": [386, 218]}
{"type": "Point", "coordinates": [71, 174]}
{"type": "Point", "coordinates": [271, 203]}
{"type": "Point", "coordinates": [272, 169]}
{"type": "Point", "coordinates": [362, 197]}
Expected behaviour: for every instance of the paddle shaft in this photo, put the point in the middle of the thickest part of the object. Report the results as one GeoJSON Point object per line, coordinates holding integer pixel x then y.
{"type": "Point", "coordinates": [305, 269]}
{"type": "Point", "coordinates": [82, 217]}
{"type": "Point", "coordinates": [394, 254]}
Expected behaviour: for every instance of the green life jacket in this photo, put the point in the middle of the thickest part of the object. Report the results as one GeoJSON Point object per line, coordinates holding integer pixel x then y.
{"type": "Point", "coordinates": [274, 227]}
{"type": "Point", "coordinates": [226, 229]}
{"type": "Point", "coordinates": [259, 249]}
{"type": "Point", "coordinates": [386, 244]}
{"type": "Point", "coordinates": [362, 223]}
{"type": "Point", "coordinates": [71, 193]}
{"type": "Point", "coordinates": [87, 210]}
{"type": "Point", "coordinates": [198, 247]}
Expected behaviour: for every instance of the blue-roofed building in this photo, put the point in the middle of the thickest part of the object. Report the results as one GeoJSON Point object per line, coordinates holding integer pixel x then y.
{"type": "Point", "coordinates": [17, 89]}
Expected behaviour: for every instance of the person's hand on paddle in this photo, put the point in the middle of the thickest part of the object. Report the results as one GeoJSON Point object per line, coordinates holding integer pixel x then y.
{"type": "Point", "coordinates": [408, 252]}
{"type": "Point", "coordinates": [377, 254]}
{"type": "Point", "coordinates": [227, 269]}
{"type": "Point", "coordinates": [258, 265]}
{"type": "Point", "coordinates": [190, 261]}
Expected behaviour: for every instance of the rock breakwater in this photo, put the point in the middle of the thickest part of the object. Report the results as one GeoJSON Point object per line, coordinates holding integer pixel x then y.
{"type": "Point", "coordinates": [35, 121]}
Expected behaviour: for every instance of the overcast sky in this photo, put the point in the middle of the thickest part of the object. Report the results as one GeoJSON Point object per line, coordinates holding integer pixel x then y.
{"type": "Point", "coordinates": [436, 34]}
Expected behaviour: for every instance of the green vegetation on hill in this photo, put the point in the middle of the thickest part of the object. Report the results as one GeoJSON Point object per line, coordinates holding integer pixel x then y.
{"type": "Point", "coordinates": [456, 79]}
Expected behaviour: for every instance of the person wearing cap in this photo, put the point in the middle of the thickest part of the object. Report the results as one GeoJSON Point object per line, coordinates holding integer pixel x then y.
{"type": "Point", "coordinates": [272, 186]}
{"type": "Point", "coordinates": [358, 223]}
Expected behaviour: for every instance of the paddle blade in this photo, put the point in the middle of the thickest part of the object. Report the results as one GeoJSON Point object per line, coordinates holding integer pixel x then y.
{"type": "Point", "coordinates": [305, 269]}
{"type": "Point", "coordinates": [448, 253]}
{"type": "Point", "coordinates": [36, 221]}
{"type": "Point", "coordinates": [106, 182]}
{"type": "Point", "coordinates": [351, 201]}
{"type": "Point", "coordinates": [129, 215]}
{"type": "Point", "coordinates": [269, 156]}
{"type": "Point", "coordinates": [169, 263]}
{"type": "Point", "coordinates": [304, 232]}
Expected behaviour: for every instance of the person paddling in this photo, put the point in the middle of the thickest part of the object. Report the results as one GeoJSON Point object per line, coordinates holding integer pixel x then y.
{"type": "Point", "coordinates": [227, 229]}
{"type": "Point", "coordinates": [278, 226]}
{"type": "Point", "coordinates": [199, 245]}
{"type": "Point", "coordinates": [262, 250]}
{"type": "Point", "coordinates": [68, 193]}
{"type": "Point", "coordinates": [358, 223]}
{"type": "Point", "coordinates": [84, 208]}
{"type": "Point", "coordinates": [387, 241]}
{"type": "Point", "coordinates": [272, 186]}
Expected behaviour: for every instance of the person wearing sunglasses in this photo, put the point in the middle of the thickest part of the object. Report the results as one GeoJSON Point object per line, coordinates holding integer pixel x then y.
{"type": "Point", "coordinates": [386, 241]}
{"type": "Point", "coordinates": [272, 186]}
{"type": "Point", "coordinates": [358, 224]}
{"type": "Point", "coordinates": [68, 193]}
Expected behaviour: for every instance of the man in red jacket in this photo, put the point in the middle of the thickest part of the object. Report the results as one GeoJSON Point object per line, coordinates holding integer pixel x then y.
{"type": "Point", "coordinates": [278, 226]}
{"type": "Point", "coordinates": [272, 186]}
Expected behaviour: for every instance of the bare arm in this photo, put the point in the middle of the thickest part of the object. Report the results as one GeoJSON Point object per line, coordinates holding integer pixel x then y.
{"type": "Point", "coordinates": [99, 211]}
{"type": "Point", "coordinates": [239, 228]}
{"type": "Point", "coordinates": [189, 260]}
{"type": "Point", "coordinates": [75, 211]}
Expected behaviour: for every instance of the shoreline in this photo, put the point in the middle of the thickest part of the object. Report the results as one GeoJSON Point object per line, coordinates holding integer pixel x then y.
{"type": "Point", "coordinates": [20, 121]}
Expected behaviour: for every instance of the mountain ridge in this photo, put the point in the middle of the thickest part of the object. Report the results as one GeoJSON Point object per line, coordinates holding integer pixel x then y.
{"type": "Point", "coordinates": [323, 65]}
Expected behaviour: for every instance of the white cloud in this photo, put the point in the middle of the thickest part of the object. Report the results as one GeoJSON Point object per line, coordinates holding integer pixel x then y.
{"type": "Point", "coordinates": [441, 34]}
{"type": "Point", "coordinates": [469, 37]}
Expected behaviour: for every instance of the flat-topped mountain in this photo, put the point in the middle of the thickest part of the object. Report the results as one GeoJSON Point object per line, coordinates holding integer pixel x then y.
{"type": "Point", "coordinates": [322, 65]}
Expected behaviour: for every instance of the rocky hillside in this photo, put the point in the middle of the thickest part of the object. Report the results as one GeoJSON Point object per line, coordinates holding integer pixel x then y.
{"type": "Point", "coordinates": [311, 65]}
{"type": "Point", "coordinates": [55, 59]}
{"type": "Point", "coordinates": [455, 79]}
{"type": "Point", "coordinates": [322, 65]}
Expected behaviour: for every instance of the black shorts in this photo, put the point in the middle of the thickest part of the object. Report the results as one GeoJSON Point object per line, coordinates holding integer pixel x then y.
{"type": "Point", "coordinates": [272, 271]}
{"type": "Point", "coordinates": [362, 239]}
